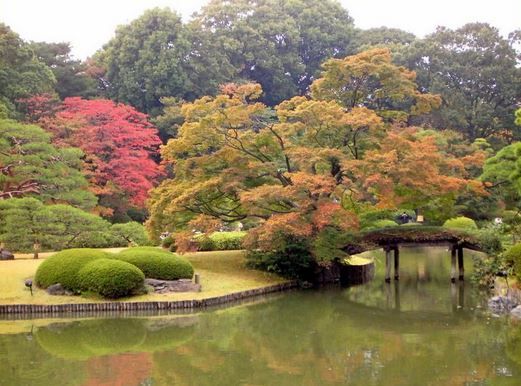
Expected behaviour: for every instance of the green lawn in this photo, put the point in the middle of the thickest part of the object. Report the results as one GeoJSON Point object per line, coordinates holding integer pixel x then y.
{"type": "Point", "coordinates": [221, 273]}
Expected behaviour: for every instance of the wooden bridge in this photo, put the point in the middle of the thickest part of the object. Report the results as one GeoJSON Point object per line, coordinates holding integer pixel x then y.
{"type": "Point", "coordinates": [392, 238]}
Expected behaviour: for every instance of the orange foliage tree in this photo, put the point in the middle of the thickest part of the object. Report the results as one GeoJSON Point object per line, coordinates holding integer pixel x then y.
{"type": "Point", "coordinates": [304, 170]}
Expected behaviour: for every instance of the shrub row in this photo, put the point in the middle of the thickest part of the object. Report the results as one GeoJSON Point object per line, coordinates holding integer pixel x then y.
{"type": "Point", "coordinates": [110, 275]}
{"type": "Point", "coordinates": [220, 241]}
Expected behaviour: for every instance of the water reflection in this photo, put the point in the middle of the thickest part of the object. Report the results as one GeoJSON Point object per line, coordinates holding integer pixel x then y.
{"type": "Point", "coordinates": [419, 331]}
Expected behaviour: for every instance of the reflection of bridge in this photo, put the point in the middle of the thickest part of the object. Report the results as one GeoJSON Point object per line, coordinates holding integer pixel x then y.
{"type": "Point", "coordinates": [392, 238]}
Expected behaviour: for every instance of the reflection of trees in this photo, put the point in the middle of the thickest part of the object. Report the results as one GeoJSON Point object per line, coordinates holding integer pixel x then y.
{"type": "Point", "coordinates": [316, 338]}
{"type": "Point", "coordinates": [24, 362]}
{"type": "Point", "coordinates": [85, 339]}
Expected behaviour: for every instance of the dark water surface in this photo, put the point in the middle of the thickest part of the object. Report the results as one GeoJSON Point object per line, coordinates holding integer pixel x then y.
{"type": "Point", "coordinates": [423, 331]}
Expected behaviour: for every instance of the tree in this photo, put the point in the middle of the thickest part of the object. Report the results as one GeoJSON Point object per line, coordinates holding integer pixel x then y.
{"type": "Point", "coordinates": [19, 229]}
{"type": "Point", "coordinates": [64, 227]}
{"type": "Point", "coordinates": [21, 73]}
{"type": "Point", "coordinates": [30, 166]}
{"type": "Point", "coordinates": [371, 80]}
{"type": "Point", "coordinates": [27, 224]}
{"type": "Point", "coordinates": [71, 76]}
{"type": "Point", "coordinates": [292, 174]}
{"type": "Point", "coordinates": [278, 44]}
{"type": "Point", "coordinates": [383, 36]}
{"type": "Point", "coordinates": [477, 74]}
{"type": "Point", "coordinates": [146, 60]}
{"type": "Point", "coordinates": [119, 145]}
{"type": "Point", "coordinates": [130, 233]}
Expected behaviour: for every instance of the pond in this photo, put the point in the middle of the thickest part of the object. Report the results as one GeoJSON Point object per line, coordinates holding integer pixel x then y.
{"type": "Point", "coordinates": [420, 331]}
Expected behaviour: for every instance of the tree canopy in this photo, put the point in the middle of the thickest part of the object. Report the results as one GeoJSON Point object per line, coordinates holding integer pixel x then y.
{"type": "Point", "coordinates": [118, 141]}
{"type": "Point", "coordinates": [306, 169]}
{"type": "Point", "coordinates": [476, 71]}
{"type": "Point", "coordinates": [21, 73]}
{"type": "Point", "coordinates": [30, 166]}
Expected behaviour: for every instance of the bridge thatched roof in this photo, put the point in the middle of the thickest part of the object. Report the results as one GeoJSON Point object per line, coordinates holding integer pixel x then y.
{"type": "Point", "coordinates": [416, 235]}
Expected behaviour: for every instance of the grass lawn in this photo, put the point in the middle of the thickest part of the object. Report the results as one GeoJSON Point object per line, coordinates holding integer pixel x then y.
{"type": "Point", "coordinates": [221, 273]}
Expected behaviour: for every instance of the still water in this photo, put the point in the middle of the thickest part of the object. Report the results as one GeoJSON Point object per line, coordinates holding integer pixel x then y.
{"type": "Point", "coordinates": [423, 331]}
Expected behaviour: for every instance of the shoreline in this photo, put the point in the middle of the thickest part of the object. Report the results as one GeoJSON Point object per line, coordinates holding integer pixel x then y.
{"type": "Point", "coordinates": [159, 305]}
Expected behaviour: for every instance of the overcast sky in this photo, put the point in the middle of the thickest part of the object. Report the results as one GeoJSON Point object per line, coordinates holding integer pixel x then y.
{"type": "Point", "coordinates": [89, 24]}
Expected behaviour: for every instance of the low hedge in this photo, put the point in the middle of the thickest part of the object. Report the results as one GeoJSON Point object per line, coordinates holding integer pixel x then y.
{"type": "Point", "coordinates": [157, 264]}
{"type": "Point", "coordinates": [220, 241]}
{"type": "Point", "coordinates": [110, 278]}
{"type": "Point", "coordinates": [63, 267]}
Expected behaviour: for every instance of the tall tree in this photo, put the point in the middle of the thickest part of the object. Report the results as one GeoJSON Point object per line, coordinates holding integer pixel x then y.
{"type": "Point", "coordinates": [21, 73]}
{"type": "Point", "coordinates": [278, 44]}
{"type": "Point", "coordinates": [146, 60]}
{"type": "Point", "coordinates": [71, 76]}
{"type": "Point", "coordinates": [30, 166]}
{"type": "Point", "coordinates": [476, 71]}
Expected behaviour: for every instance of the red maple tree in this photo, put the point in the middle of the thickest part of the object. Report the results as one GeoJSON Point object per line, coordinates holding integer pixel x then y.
{"type": "Point", "coordinates": [118, 141]}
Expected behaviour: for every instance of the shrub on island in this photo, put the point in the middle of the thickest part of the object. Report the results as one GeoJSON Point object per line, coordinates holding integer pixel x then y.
{"type": "Point", "coordinates": [110, 278]}
{"type": "Point", "coordinates": [463, 223]}
{"type": "Point", "coordinates": [157, 264]}
{"type": "Point", "coordinates": [63, 267]}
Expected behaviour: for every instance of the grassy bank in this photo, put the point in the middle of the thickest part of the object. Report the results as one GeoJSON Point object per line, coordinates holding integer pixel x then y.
{"type": "Point", "coordinates": [221, 273]}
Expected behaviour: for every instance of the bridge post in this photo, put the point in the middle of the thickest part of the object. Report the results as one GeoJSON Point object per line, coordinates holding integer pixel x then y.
{"type": "Point", "coordinates": [453, 263]}
{"type": "Point", "coordinates": [461, 268]}
{"type": "Point", "coordinates": [396, 263]}
{"type": "Point", "coordinates": [387, 264]}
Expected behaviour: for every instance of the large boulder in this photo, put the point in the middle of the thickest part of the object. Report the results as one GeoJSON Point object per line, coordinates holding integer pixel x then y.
{"type": "Point", "coordinates": [6, 255]}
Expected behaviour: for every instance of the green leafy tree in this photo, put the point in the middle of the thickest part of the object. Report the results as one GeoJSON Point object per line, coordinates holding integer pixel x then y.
{"type": "Point", "coordinates": [71, 76]}
{"type": "Point", "coordinates": [383, 36]}
{"type": "Point", "coordinates": [64, 226]}
{"type": "Point", "coordinates": [21, 73]}
{"type": "Point", "coordinates": [146, 60]}
{"type": "Point", "coordinates": [476, 71]}
{"type": "Point", "coordinates": [19, 228]}
{"type": "Point", "coordinates": [278, 44]}
{"type": "Point", "coordinates": [27, 224]}
{"type": "Point", "coordinates": [31, 166]}
{"type": "Point", "coordinates": [130, 233]}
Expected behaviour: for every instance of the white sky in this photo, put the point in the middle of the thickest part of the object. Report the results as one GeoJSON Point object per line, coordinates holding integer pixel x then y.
{"type": "Point", "coordinates": [88, 24]}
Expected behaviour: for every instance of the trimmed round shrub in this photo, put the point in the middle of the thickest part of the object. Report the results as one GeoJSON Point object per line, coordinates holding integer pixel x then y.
{"type": "Point", "coordinates": [110, 278]}
{"type": "Point", "coordinates": [63, 267]}
{"type": "Point", "coordinates": [463, 223]}
{"type": "Point", "coordinates": [157, 264]}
